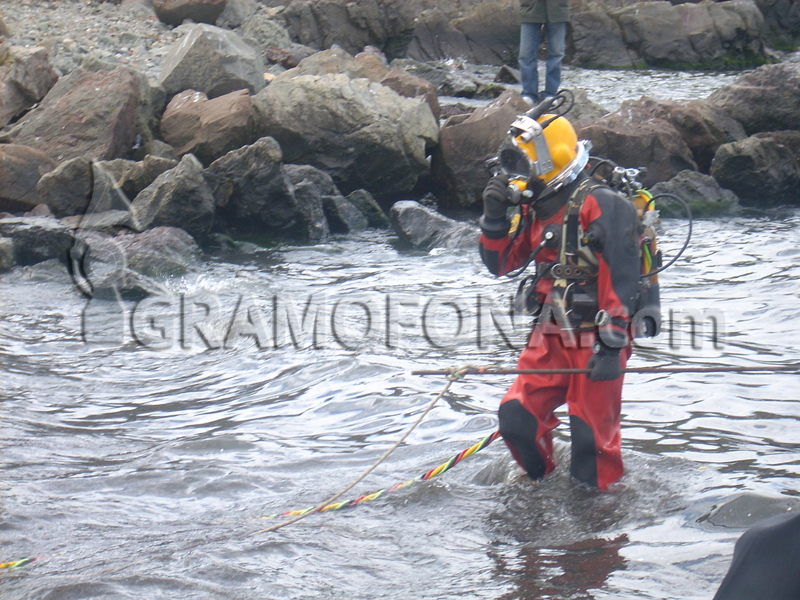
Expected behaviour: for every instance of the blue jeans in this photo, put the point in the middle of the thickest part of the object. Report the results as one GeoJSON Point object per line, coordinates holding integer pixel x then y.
{"type": "Point", "coordinates": [529, 38]}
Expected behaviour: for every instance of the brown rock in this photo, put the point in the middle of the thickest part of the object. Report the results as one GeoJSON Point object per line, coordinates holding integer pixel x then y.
{"type": "Point", "coordinates": [26, 75]}
{"type": "Point", "coordinates": [208, 128]}
{"type": "Point", "coordinates": [410, 86]}
{"type": "Point", "coordinates": [67, 189]}
{"type": "Point", "coordinates": [20, 170]}
{"type": "Point", "coordinates": [373, 64]}
{"type": "Point", "coordinates": [632, 138]}
{"type": "Point", "coordinates": [144, 173]}
{"type": "Point", "coordinates": [74, 119]}
{"type": "Point", "coordinates": [458, 164]}
{"type": "Point", "coordinates": [174, 12]}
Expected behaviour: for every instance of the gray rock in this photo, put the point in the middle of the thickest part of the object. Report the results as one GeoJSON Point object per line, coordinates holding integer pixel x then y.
{"type": "Point", "coordinates": [26, 76]}
{"type": "Point", "coordinates": [362, 133]}
{"type": "Point", "coordinates": [214, 61]}
{"type": "Point", "coordinates": [598, 40]}
{"type": "Point", "coordinates": [21, 168]}
{"type": "Point", "coordinates": [6, 254]}
{"type": "Point", "coordinates": [322, 181]}
{"type": "Point", "coordinates": [585, 109]}
{"type": "Point", "coordinates": [701, 192]}
{"type": "Point", "coordinates": [458, 163]}
{"type": "Point", "coordinates": [424, 229]}
{"type": "Point", "coordinates": [36, 239]}
{"type": "Point", "coordinates": [109, 222]}
{"type": "Point", "coordinates": [765, 99]}
{"type": "Point", "coordinates": [309, 200]}
{"type": "Point", "coordinates": [411, 86]}
{"type": "Point", "coordinates": [745, 510]}
{"type": "Point", "coordinates": [364, 202]}
{"type": "Point", "coordinates": [67, 189]}
{"type": "Point", "coordinates": [179, 197]}
{"type": "Point", "coordinates": [447, 81]}
{"type": "Point", "coordinates": [254, 195]}
{"type": "Point", "coordinates": [160, 252]}
{"type": "Point", "coordinates": [342, 215]}
{"type": "Point", "coordinates": [116, 169]}
{"type": "Point", "coordinates": [175, 12]}
{"type": "Point", "coordinates": [265, 31]}
{"type": "Point", "coordinates": [74, 120]}
{"type": "Point", "coordinates": [762, 171]}
{"type": "Point", "coordinates": [333, 62]}
{"type": "Point", "coordinates": [237, 12]}
{"type": "Point", "coordinates": [155, 148]}
{"type": "Point", "coordinates": [144, 173]}
{"type": "Point", "coordinates": [655, 31]}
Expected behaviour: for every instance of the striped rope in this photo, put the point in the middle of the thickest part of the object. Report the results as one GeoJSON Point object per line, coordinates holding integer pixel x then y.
{"type": "Point", "coordinates": [14, 564]}
{"type": "Point", "coordinates": [397, 486]}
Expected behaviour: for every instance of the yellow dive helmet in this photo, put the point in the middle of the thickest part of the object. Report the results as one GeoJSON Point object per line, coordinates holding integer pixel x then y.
{"type": "Point", "coordinates": [544, 146]}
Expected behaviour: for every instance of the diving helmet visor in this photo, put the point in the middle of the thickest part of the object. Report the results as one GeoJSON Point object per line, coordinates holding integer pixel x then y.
{"type": "Point", "coordinates": [516, 163]}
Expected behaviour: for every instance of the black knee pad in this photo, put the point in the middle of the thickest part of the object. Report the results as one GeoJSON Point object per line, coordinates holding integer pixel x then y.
{"type": "Point", "coordinates": [518, 428]}
{"type": "Point", "coordinates": [583, 465]}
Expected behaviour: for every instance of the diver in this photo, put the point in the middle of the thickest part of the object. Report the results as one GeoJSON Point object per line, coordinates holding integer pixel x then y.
{"type": "Point", "coordinates": [583, 240]}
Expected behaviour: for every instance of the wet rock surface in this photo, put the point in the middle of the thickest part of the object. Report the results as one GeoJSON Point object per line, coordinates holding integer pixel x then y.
{"type": "Point", "coordinates": [705, 197]}
{"type": "Point", "coordinates": [423, 228]}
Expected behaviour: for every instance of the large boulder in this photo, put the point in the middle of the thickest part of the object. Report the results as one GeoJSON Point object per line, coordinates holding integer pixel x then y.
{"type": "Point", "coordinates": [21, 168]}
{"type": "Point", "coordinates": [703, 194]}
{"type": "Point", "coordinates": [763, 170]}
{"type": "Point", "coordinates": [364, 202]}
{"type": "Point", "coordinates": [212, 60]}
{"type": "Point", "coordinates": [765, 99]}
{"type": "Point", "coordinates": [311, 187]}
{"type": "Point", "coordinates": [67, 189]}
{"type": "Point", "coordinates": [36, 239]}
{"type": "Point", "coordinates": [782, 21]}
{"type": "Point", "coordinates": [179, 197]}
{"type": "Point", "coordinates": [75, 120]}
{"type": "Point", "coordinates": [458, 164]}
{"type": "Point", "coordinates": [448, 82]}
{"type": "Point", "coordinates": [411, 86]}
{"type": "Point", "coordinates": [253, 194]}
{"type": "Point", "coordinates": [698, 128]}
{"type": "Point", "coordinates": [655, 31]}
{"type": "Point", "coordinates": [596, 39]}
{"type": "Point", "coordinates": [342, 215]}
{"type": "Point", "coordinates": [362, 133]}
{"type": "Point", "coordinates": [175, 12]}
{"type": "Point", "coordinates": [423, 229]}
{"type": "Point", "coordinates": [351, 25]}
{"type": "Point", "coordinates": [208, 128]}
{"type": "Point", "coordinates": [632, 138]}
{"type": "Point", "coordinates": [26, 76]}
{"type": "Point", "coordinates": [159, 252]}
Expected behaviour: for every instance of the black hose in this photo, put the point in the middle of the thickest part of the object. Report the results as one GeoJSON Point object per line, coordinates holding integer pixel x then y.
{"type": "Point", "coordinates": [688, 234]}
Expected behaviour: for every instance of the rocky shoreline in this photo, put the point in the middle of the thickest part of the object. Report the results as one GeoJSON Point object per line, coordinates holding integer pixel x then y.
{"type": "Point", "coordinates": [134, 137]}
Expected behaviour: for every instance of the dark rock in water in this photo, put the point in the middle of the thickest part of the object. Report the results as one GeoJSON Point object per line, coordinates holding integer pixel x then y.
{"type": "Point", "coordinates": [698, 128]}
{"type": "Point", "coordinates": [632, 138]}
{"type": "Point", "coordinates": [254, 194]}
{"type": "Point", "coordinates": [765, 99]}
{"type": "Point", "coordinates": [748, 509]}
{"type": "Point", "coordinates": [144, 173]}
{"type": "Point", "coordinates": [179, 197]}
{"type": "Point", "coordinates": [321, 180]}
{"type": "Point", "coordinates": [21, 168]}
{"type": "Point", "coordinates": [310, 187]}
{"type": "Point", "coordinates": [342, 215]}
{"type": "Point", "coordinates": [701, 192]}
{"type": "Point", "coordinates": [6, 254]}
{"type": "Point", "coordinates": [67, 189]}
{"type": "Point", "coordinates": [109, 222]}
{"type": "Point", "coordinates": [131, 264]}
{"type": "Point", "coordinates": [213, 61]}
{"type": "Point", "coordinates": [36, 239]}
{"type": "Point", "coordinates": [458, 164]}
{"type": "Point", "coordinates": [447, 81]}
{"type": "Point", "coordinates": [175, 12]}
{"type": "Point", "coordinates": [598, 40]}
{"type": "Point", "coordinates": [411, 86]}
{"type": "Point", "coordinates": [763, 170]}
{"type": "Point", "coordinates": [424, 229]}
{"type": "Point", "coordinates": [362, 133]}
{"type": "Point", "coordinates": [156, 148]}
{"type": "Point", "coordinates": [364, 202]}
{"type": "Point", "coordinates": [26, 76]}
{"type": "Point", "coordinates": [74, 120]}
{"type": "Point", "coordinates": [208, 128]}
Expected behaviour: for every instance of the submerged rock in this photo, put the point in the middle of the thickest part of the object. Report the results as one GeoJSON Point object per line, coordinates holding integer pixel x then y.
{"type": "Point", "coordinates": [424, 229]}
{"type": "Point", "coordinates": [705, 197]}
{"type": "Point", "coordinates": [36, 239]}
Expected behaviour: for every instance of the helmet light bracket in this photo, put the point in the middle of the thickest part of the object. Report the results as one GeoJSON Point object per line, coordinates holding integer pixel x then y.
{"type": "Point", "coordinates": [530, 129]}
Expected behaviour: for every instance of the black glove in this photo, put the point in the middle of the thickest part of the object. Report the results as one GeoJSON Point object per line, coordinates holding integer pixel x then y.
{"type": "Point", "coordinates": [604, 364]}
{"type": "Point", "coordinates": [494, 222]}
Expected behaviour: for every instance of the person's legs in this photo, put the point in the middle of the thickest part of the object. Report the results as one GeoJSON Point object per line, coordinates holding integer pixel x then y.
{"type": "Point", "coordinates": [530, 34]}
{"type": "Point", "coordinates": [556, 46]}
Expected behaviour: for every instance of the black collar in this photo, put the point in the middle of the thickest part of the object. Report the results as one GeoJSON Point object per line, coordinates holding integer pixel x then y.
{"type": "Point", "coordinates": [548, 205]}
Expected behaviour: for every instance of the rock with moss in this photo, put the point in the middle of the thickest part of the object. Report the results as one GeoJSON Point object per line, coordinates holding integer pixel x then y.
{"type": "Point", "coordinates": [703, 194]}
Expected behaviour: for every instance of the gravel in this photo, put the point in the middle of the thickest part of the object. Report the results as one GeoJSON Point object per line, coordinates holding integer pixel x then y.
{"type": "Point", "coordinates": [129, 33]}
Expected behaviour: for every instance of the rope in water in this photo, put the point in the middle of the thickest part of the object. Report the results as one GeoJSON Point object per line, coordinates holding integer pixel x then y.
{"type": "Point", "coordinates": [452, 375]}
{"type": "Point", "coordinates": [446, 466]}
{"type": "Point", "coordinates": [14, 564]}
